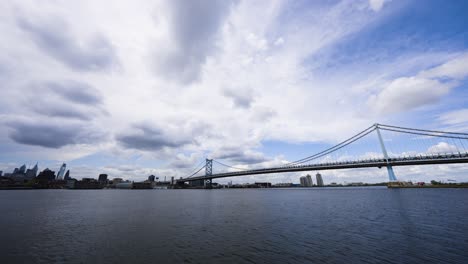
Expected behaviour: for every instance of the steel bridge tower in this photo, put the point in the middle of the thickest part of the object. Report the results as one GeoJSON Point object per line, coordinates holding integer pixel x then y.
{"type": "Point", "coordinates": [391, 174]}
{"type": "Point", "coordinates": [208, 173]}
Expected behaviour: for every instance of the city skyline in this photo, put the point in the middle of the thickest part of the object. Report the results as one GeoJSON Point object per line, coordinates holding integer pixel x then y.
{"type": "Point", "coordinates": [149, 88]}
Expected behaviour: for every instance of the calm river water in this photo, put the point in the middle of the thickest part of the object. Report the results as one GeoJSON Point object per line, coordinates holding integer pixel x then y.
{"type": "Point", "coordinates": [317, 225]}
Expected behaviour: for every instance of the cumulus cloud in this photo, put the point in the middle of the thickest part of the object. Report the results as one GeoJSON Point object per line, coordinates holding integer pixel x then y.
{"type": "Point", "coordinates": [406, 93]}
{"type": "Point", "coordinates": [442, 147]}
{"type": "Point", "coordinates": [242, 98]}
{"type": "Point", "coordinates": [67, 99]}
{"type": "Point", "coordinates": [239, 156]}
{"type": "Point", "coordinates": [194, 27]}
{"type": "Point", "coordinates": [148, 138]}
{"type": "Point", "coordinates": [51, 135]}
{"type": "Point", "coordinates": [425, 88]}
{"type": "Point", "coordinates": [53, 36]}
{"type": "Point", "coordinates": [77, 92]}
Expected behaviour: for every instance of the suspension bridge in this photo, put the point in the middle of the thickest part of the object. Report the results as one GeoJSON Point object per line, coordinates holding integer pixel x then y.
{"type": "Point", "coordinates": [419, 147]}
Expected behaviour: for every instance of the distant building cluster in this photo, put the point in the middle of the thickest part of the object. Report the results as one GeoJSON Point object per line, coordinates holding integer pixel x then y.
{"type": "Point", "coordinates": [22, 178]}
{"type": "Point", "coordinates": [306, 181]}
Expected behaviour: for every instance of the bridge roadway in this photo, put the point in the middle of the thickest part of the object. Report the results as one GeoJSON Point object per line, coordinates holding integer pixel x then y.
{"type": "Point", "coordinates": [403, 161]}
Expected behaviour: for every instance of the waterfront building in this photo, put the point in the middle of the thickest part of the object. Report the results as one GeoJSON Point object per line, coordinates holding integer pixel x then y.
{"type": "Point", "coordinates": [151, 178]}
{"type": "Point", "coordinates": [142, 185]}
{"type": "Point", "coordinates": [319, 180]}
{"type": "Point", "coordinates": [61, 172]}
{"type": "Point", "coordinates": [302, 180]}
{"type": "Point", "coordinates": [46, 174]}
{"type": "Point", "coordinates": [87, 183]}
{"type": "Point", "coordinates": [263, 184]}
{"type": "Point", "coordinates": [1, 173]}
{"type": "Point", "coordinates": [309, 182]}
{"type": "Point", "coordinates": [102, 178]}
{"type": "Point", "coordinates": [306, 181]}
{"type": "Point", "coordinates": [124, 185]}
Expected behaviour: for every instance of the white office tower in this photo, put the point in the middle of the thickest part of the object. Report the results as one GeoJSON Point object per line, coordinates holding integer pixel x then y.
{"type": "Point", "coordinates": [61, 172]}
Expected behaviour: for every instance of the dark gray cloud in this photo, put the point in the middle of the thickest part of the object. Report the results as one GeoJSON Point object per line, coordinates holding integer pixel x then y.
{"type": "Point", "coordinates": [50, 135]}
{"type": "Point", "coordinates": [242, 98]}
{"type": "Point", "coordinates": [53, 36]}
{"type": "Point", "coordinates": [77, 92]}
{"type": "Point", "coordinates": [61, 111]}
{"type": "Point", "coordinates": [240, 156]}
{"type": "Point", "coordinates": [66, 99]}
{"type": "Point", "coordinates": [149, 139]}
{"type": "Point", "coordinates": [195, 25]}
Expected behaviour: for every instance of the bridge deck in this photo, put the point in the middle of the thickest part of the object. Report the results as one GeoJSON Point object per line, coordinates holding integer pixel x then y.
{"type": "Point", "coordinates": [405, 161]}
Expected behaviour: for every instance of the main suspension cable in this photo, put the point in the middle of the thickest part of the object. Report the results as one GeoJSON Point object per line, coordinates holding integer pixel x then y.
{"type": "Point", "coordinates": [422, 130]}
{"type": "Point", "coordinates": [334, 148]}
{"type": "Point", "coordinates": [220, 163]}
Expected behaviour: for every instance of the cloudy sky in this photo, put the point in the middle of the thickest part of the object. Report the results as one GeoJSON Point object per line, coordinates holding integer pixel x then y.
{"type": "Point", "coordinates": [132, 88]}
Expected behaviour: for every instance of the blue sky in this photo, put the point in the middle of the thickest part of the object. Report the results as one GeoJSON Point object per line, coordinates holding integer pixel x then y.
{"type": "Point", "coordinates": [154, 87]}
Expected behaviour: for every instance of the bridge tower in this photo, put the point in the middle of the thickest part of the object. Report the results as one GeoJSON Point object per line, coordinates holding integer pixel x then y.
{"type": "Point", "coordinates": [391, 174]}
{"type": "Point", "coordinates": [208, 173]}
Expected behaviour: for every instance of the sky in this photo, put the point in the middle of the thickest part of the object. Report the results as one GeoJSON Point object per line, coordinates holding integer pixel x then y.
{"type": "Point", "coordinates": [133, 88]}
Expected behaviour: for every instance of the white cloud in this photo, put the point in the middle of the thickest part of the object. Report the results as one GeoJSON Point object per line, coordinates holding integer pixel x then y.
{"type": "Point", "coordinates": [443, 147]}
{"type": "Point", "coordinates": [177, 72]}
{"type": "Point", "coordinates": [406, 93]}
{"type": "Point", "coordinates": [454, 69]}
{"type": "Point", "coordinates": [455, 117]}
{"type": "Point", "coordinates": [376, 5]}
{"type": "Point", "coordinates": [425, 88]}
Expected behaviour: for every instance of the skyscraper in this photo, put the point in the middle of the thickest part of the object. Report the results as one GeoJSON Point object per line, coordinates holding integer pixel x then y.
{"type": "Point", "coordinates": [102, 178]}
{"type": "Point", "coordinates": [61, 172]}
{"type": "Point", "coordinates": [67, 175]}
{"type": "Point", "coordinates": [309, 181]}
{"type": "Point", "coordinates": [22, 169]}
{"type": "Point", "coordinates": [319, 179]}
{"type": "Point", "coordinates": [306, 181]}
{"type": "Point", "coordinates": [46, 174]}
{"type": "Point", "coordinates": [32, 173]}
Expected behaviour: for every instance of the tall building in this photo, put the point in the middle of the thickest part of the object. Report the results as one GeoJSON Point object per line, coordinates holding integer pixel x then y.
{"type": "Point", "coordinates": [151, 178]}
{"type": "Point", "coordinates": [102, 178]}
{"type": "Point", "coordinates": [67, 176]}
{"type": "Point", "coordinates": [22, 169]}
{"type": "Point", "coordinates": [46, 175]}
{"type": "Point", "coordinates": [319, 179]}
{"type": "Point", "coordinates": [309, 181]}
{"type": "Point", "coordinates": [32, 173]}
{"type": "Point", "coordinates": [306, 181]}
{"type": "Point", "coordinates": [302, 180]}
{"type": "Point", "coordinates": [61, 172]}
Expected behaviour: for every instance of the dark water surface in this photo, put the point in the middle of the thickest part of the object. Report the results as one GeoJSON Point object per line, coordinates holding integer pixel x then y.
{"type": "Point", "coordinates": [338, 225]}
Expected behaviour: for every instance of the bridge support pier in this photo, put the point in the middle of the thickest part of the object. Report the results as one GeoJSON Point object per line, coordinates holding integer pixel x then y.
{"type": "Point", "coordinates": [391, 174]}
{"type": "Point", "coordinates": [208, 173]}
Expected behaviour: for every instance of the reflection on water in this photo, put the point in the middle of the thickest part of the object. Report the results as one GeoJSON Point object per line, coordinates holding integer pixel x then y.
{"type": "Point", "coordinates": [346, 225]}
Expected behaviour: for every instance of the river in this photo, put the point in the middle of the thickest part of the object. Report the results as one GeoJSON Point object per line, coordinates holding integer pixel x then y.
{"type": "Point", "coordinates": [310, 225]}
